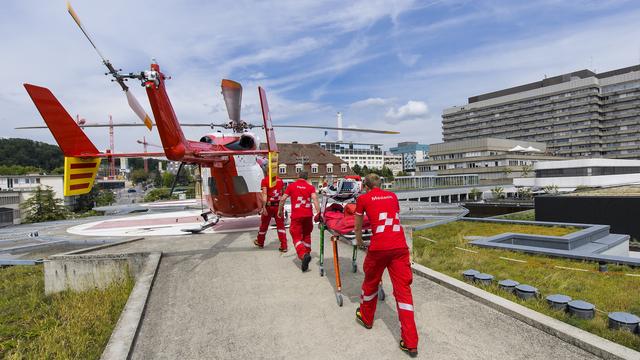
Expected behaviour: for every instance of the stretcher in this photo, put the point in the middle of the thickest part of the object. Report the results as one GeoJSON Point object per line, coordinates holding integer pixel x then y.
{"type": "Point", "coordinates": [337, 218]}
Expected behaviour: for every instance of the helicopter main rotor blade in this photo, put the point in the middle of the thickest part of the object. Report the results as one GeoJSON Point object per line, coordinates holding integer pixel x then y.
{"type": "Point", "coordinates": [85, 126]}
{"type": "Point", "coordinates": [373, 131]}
{"type": "Point", "coordinates": [137, 108]}
{"type": "Point", "coordinates": [133, 102]}
{"type": "Point", "coordinates": [76, 18]}
{"type": "Point", "coordinates": [232, 94]}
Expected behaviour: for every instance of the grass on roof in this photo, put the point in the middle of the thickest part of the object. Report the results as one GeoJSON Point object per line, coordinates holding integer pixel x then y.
{"type": "Point", "coordinates": [610, 291]}
{"type": "Point", "coordinates": [67, 325]}
{"type": "Point", "coordinates": [527, 215]}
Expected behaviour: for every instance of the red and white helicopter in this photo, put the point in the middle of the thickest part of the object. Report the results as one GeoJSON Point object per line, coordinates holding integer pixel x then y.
{"type": "Point", "coordinates": [230, 163]}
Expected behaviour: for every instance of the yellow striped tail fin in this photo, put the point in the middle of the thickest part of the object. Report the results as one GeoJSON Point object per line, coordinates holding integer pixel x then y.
{"type": "Point", "coordinates": [273, 168]}
{"type": "Point", "coordinates": [79, 174]}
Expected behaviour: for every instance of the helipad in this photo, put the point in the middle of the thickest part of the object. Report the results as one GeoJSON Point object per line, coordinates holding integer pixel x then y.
{"type": "Point", "coordinates": [162, 224]}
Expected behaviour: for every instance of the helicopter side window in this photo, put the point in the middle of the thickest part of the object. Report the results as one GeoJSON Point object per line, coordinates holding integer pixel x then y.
{"type": "Point", "coordinates": [213, 187]}
{"type": "Point", "coordinates": [240, 185]}
{"type": "Point", "coordinates": [206, 139]}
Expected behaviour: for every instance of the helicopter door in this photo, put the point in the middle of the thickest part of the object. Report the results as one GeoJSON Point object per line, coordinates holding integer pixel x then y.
{"type": "Point", "coordinates": [249, 174]}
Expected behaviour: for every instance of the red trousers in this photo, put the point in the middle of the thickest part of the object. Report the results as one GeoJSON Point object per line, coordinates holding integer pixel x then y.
{"type": "Point", "coordinates": [265, 220]}
{"type": "Point", "coordinates": [300, 230]}
{"type": "Point", "coordinates": [397, 262]}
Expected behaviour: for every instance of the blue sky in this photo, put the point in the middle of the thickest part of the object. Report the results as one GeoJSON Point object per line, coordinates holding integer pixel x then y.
{"type": "Point", "coordinates": [384, 64]}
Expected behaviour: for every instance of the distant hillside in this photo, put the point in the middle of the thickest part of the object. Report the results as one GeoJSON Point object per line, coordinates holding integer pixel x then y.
{"type": "Point", "coordinates": [27, 152]}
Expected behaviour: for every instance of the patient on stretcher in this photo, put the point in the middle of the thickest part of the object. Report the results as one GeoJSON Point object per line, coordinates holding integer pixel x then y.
{"type": "Point", "coordinates": [341, 218]}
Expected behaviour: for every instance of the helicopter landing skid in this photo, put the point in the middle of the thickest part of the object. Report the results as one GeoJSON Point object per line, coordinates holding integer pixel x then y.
{"type": "Point", "coordinates": [210, 223]}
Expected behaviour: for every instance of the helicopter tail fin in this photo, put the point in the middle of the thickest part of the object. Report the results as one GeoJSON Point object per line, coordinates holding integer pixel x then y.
{"type": "Point", "coordinates": [81, 161]}
{"type": "Point", "coordinates": [71, 139]}
{"type": "Point", "coordinates": [79, 174]}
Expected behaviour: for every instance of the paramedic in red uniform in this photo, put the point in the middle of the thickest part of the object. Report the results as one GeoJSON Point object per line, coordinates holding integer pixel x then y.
{"type": "Point", "coordinates": [270, 201]}
{"type": "Point", "coordinates": [387, 250]}
{"type": "Point", "coordinates": [302, 194]}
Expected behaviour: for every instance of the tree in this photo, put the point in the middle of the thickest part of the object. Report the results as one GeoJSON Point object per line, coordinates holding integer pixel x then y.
{"type": "Point", "coordinates": [386, 173]}
{"type": "Point", "coordinates": [185, 177]}
{"type": "Point", "coordinates": [357, 169]}
{"type": "Point", "coordinates": [44, 206]}
{"type": "Point", "coordinates": [86, 202]}
{"type": "Point", "coordinates": [526, 170]}
{"type": "Point", "coordinates": [475, 193]}
{"type": "Point", "coordinates": [156, 178]}
{"type": "Point", "coordinates": [25, 152]}
{"type": "Point", "coordinates": [138, 163]}
{"type": "Point", "coordinates": [507, 171]}
{"type": "Point", "coordinates": [550, 189]}
{"type": "Point", "coordinates": [497, 192]}
{"type": "Point", "coordinates": [402, 173]}
{"type": "Point", "coordinates": [19, 170]}
{"type": "Point", "coordinates": [524, 193]}
{"type": "Point", "coordinates": [167, 179]}
{"type": "Point", "coordinates": [105, 198]}
{"type": "Point", "coordinates": [159, 194]}
{"type": "Point", "coordinates": [139, 176]}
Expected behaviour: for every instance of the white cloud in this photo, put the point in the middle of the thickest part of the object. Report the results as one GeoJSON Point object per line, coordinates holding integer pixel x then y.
{"type": "Point", "coordinates": [410, 111]}
{"type": "Point", "coordinates": [370, 102]}
{"type": "Point", "coordinates": [567, 49]}
{"type": "Point", "coordinates": [257, 76]}
{"type": "Point", "coordinates": [280, 53]}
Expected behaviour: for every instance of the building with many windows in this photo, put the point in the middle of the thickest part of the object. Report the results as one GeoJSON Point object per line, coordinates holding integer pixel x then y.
{"type": "Point", "coordinates": [369, 155]}
{"type": "Point", "coordinates": [581, 113]}
{"type": "Point", "coordinates": [495, 161]}
{"type": "Point", "coordinates": [393, 162]}
{"type": "Point", "coordinates": [320, 164]}
{"type": "Point", "coordinates": [411, 153]}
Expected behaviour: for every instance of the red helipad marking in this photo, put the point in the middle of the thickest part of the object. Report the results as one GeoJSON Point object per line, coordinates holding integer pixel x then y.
{"type": "Point", "coordinates": [146, 222]}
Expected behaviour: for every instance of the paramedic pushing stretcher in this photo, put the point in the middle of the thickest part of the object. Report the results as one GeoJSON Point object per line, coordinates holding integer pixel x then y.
{"type": "Point", "coordinates": [302, 194]}
{"type": "Point", "coordinates": [387, 250]}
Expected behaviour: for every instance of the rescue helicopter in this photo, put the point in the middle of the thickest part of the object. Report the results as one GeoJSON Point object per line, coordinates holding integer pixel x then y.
{"type": "Point", "coordinates": [231, 163]}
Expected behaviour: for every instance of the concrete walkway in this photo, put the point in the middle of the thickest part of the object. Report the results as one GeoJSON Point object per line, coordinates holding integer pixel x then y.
{"type": "Point", "coordinates": [219, 297]}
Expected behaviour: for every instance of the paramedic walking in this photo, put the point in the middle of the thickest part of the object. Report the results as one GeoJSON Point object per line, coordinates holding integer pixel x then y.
{"type": "Point", "coordinates": [302, 194]}
{"type": "Point", "coordinates": [270, 201]}
{"type": "Point", "coordinates": [387, 250]}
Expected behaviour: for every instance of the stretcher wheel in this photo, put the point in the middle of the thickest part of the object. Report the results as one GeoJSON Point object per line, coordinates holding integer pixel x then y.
{"type": "Point", "coordinates": [381, 294]}
{"type": "Point", "coordinates": [339, 299]}
{"type": "Point", "coordinates": [354, 267]}
{"type": "Point", "coordinates": [321, 272]}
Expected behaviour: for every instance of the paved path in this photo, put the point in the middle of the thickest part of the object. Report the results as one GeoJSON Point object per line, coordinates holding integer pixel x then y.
{"type": "Point", "coordinates": [218, 297]}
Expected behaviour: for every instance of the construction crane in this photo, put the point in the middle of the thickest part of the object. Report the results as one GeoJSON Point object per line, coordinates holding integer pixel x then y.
{"type": "Point", "coordinates": [145, 144]}
{"type": "Point", "coordinates": [82, 122]}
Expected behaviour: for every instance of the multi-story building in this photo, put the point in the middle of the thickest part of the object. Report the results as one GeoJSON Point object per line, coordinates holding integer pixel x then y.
{"type": "Point", "coordinates": [568, 175]}
{"type": "Point", "coordinates": [16, 189]}
{"type": "Point", "coordinates": [495, 161]}
{"type": "Point", "coordinates": [369, 155]}
{"type": "Point", "coordinates": [320, 164]}
{"type": "Point", "coordinates": [393, 162]}
{"type": "Point", "coordinates": [173, 166]}
{"type": "Point", "coordinates": [411, 153]}
{"type": "Point", "coordinates": [9, 208]}
{"type": "Point", "coordinates": [576, 114]}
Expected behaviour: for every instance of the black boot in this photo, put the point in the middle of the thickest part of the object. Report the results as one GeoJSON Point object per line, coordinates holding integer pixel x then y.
{"type": "Point", "coordinates": [305, 262]}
